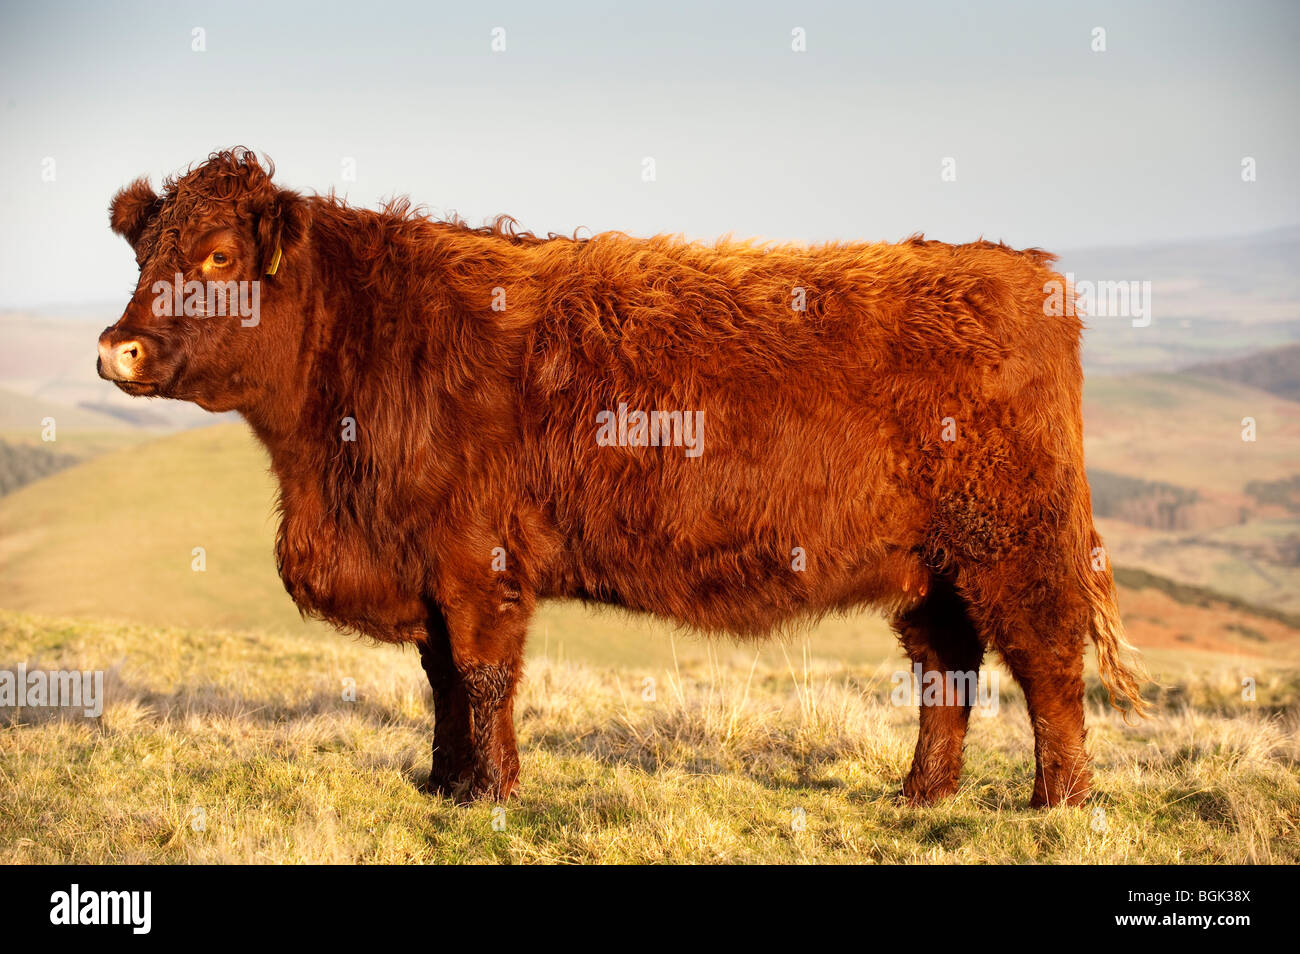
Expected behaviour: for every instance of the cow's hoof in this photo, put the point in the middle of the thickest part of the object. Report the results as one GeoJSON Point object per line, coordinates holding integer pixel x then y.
{"type": "Point", "coordinates": [485, 785]}
{"type": "Point", "coordinates": [919, 791]}
{"type": "Point", "coordinates": [1073, 798]}
{"type": "Point", "coordinates": [434, 785]}
{"type": "Point", "coordinates": [444, 782]}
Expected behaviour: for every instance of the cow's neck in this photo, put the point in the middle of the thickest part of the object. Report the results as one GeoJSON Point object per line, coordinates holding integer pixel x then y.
{"type": "Point", "coordinates": [279, 418]}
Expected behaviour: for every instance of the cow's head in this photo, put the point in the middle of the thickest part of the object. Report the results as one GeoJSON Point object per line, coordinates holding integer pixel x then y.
{"type": "Point", "coordinates": [212, 305]}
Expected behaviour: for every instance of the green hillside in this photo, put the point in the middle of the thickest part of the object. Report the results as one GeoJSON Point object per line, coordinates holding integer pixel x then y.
{"type": "Point", "coordinates": [78, 432]}
{"type": "Point", "coordinates": [114, 535]}
{"type": "Point", "coordinates": [1182, 495]}
{"type": "Point", "coordinates": [1185, 430]}
{"type": "Point", "coordinates": [22, 413]}
{"type": "Point", "coordinates": [218, 746]}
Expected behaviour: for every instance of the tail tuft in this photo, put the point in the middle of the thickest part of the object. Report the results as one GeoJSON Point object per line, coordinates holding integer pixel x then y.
{"type": "Point", "coordinates": [1118, 661]}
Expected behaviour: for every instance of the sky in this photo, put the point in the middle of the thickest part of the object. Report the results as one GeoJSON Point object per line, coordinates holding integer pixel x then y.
{"type": "Point", "coordinates": [1054, 144]}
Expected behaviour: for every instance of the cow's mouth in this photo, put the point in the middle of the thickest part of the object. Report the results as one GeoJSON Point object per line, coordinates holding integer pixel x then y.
{"type": "Point", "coordinates": [138, 388]}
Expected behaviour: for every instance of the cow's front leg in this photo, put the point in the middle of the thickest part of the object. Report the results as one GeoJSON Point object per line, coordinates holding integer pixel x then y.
{"type": "Point", "coordinates": [487, 651]}
{"type": "Point", "coordinates": [451, 727]}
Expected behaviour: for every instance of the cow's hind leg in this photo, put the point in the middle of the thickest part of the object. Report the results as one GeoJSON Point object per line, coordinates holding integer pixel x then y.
{"type": "Point", "coordinates": [939, 635]}
{"type": "Point", "coordinates": [451, 728]}
{"type": "Point", "coordinates": [1035, 613]}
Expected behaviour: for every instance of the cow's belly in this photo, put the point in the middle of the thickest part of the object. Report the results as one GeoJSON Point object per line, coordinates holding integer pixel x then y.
{"type": "Point", "coordinates": [740, 549]}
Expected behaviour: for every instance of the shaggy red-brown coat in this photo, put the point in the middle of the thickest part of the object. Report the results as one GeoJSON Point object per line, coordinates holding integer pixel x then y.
{"type": "Point", "coordinates": [892, 425]}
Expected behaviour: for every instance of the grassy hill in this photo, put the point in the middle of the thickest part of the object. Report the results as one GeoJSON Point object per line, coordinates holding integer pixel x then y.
{"type": "Point", "coordinates": [115, 534]}
{"type": "Point", "coordinates": [227, 746]}
{"type": "Point", "coordinates": [1186, 430]}
{"type": "Point", "coordinates": [1276, 370]}
{"type": "Point", "coordinates": [79, 432]}
{"type": "Point", "coordinates": [22, 413]}
{"type": "Point", "coordinates": [49, 359]}
{"type": "Point", "coordinates": [22, 464]}
{"type": "Point", "coordinates": [1181, 435]}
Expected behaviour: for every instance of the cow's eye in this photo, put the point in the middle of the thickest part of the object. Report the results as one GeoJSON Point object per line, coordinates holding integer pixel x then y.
{"type": "Point", "coordinates": [216, 260]}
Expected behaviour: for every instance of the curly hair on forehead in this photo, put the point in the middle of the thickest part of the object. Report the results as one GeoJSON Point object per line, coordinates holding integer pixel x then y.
{"type": "Point", "coordinates": [225, 174]}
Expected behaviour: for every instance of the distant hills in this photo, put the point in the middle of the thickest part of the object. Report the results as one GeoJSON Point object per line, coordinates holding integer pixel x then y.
{"type": "Point", "coordinates": [1211, 299]}
{"type": "Point", "coordinates": [47, 368]}
{"type": "Point", "coordinates": [139, 416]}
{"type": "Point", "coordinates": [1276, 371]}
{"type": "Point", "coordinates": [22, 464]}
{"type": "Point", "coordinates": [25, 413]}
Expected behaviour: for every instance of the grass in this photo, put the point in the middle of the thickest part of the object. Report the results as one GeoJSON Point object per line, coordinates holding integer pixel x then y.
{"type": "Point", "coordinates": [115, 536]}
{"type": "Point", "coordinates": [729, 759]}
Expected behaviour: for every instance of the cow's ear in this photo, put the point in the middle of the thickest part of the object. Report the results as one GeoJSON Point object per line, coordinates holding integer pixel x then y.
{"type": "Point", "coordinates": [132, 208]}
{"type": "Point", "coordinates": [282, 226]}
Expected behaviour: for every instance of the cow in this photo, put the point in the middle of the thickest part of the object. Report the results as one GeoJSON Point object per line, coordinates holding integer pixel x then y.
{"type": "Point", "coordinates": [737, 436]}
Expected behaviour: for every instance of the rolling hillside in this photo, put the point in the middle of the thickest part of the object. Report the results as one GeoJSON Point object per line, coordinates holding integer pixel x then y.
{"type": "Point", "coordinates": [49, 358]}
{"type": "Point", "coordinates": [79, 432]}
{"type": "Point", "coordinates": [115, 535]}
{"type": "Point", "coordinates": [1215, 514]}
{"type": "Point", "coordinates": [22, 413]}
{"type": "Point", "coordinates": [1187, 431]}
{"type": "Point", "coordinates": [1276, 371]}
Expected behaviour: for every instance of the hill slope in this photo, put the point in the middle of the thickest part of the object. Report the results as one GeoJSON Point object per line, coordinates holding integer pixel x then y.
{"type": "Point", "coordinates": [1187, 430]}
{"type": "Point", "coordinates": [1208, 508]}
{"type": "Point", "coordinates": [115, 535]}
{"type": "Point", "coordinates": [239, 747]}
{"type": "Point", "coordinates": [22, 413]}
{"type": "Point", "coordinates": [1276, 371]}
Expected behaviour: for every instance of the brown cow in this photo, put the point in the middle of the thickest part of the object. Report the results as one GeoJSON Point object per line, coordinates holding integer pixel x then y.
{"type": "Point", "coordinates": [732, 436]}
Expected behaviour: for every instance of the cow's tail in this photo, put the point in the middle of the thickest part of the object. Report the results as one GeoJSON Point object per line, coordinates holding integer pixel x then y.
{"type": "Point", "coordinates": [1119, 663]}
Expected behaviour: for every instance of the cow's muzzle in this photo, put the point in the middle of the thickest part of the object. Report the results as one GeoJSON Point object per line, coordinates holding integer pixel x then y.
{"type": "Point", "coordinates": [119, 361]}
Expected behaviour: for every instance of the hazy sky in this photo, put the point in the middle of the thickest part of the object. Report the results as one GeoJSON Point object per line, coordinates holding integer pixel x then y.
{"type": "Point", "coordinates": [1055, 145]}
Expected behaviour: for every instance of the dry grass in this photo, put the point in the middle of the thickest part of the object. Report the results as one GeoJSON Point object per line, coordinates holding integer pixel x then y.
{"type": "Point", "coordinates": [720, 763]}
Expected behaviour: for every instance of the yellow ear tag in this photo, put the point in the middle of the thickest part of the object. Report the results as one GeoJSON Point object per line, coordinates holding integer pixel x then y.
{"type": "Point", "coordinates": [275, 261]}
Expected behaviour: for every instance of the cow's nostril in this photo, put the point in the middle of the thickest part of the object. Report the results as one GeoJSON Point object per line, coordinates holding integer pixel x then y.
{"type": "Point", "coordinates": [126, 356]}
